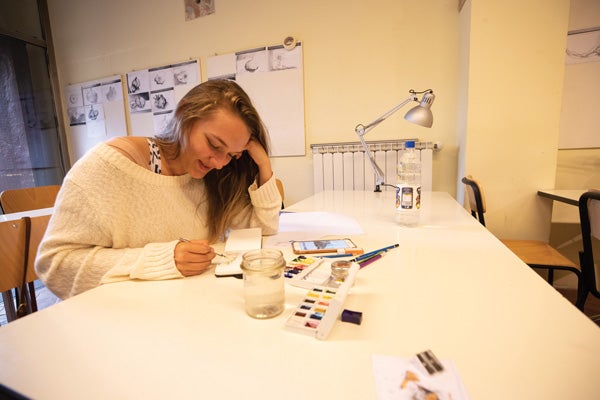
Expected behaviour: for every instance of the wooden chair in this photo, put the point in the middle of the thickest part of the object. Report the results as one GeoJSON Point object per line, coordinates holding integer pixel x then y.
{"type": "Point", "coordinates": [17, 200]}
{"type": "Point", "coordinates": [281, 191]}
{"type": "Point", "coordinates": [535, 253]}
{"type": "Point", "coordinates": [589, 216]}
{"type": "Point", "coordinates": [12, 253]}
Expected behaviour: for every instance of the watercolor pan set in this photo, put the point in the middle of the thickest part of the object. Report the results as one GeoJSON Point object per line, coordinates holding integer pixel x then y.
{"type": "Point", "coordinates": [306, 272]}
{"type": "Point", "coordinates": [321, 307]}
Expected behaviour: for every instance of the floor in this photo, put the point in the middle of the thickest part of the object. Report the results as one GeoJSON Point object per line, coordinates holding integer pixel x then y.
{"type": "Point", "coordinates": [45, 299]}
{"type": "Point", "coordinates": [592, 304]}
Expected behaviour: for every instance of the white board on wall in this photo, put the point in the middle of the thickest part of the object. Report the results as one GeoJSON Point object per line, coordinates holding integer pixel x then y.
{"type": "Point", "coordinates": [273, 78]}
{"type": "Point", "coordinates": [580, 119]}
{"type": "Point", "coordinates": [153, 94]}
{"type": "Point", "coordinates": [96, 113]}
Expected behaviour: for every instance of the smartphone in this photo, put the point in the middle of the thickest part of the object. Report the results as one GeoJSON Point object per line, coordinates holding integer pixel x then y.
{"type": "Point", "coordinates": [322, 245]}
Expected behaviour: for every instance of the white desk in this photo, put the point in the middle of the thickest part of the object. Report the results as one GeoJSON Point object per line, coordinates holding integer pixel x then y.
{"type": "Point", "coordinates": [563, 211]}
{"type": "Point", "coordinates": [568, 196]}
{"type": "Point", "coordinates": [450, 287]}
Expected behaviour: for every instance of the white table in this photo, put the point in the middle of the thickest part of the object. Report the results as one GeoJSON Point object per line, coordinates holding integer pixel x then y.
{"type": "Point", "coordinates": [563, 211]}
{"type": "Point", "coordinates": [451, 287]}
{"type": "Point", "coordinates": [568, 196]}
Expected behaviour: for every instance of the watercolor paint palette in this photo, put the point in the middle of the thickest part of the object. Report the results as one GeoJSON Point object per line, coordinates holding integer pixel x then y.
{"type": "Point", "coordinates": [321, 307]}
{"type": "Point", "coordinates": [306, 272]}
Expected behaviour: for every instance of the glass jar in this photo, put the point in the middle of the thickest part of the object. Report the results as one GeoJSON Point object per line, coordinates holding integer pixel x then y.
{"type": "Point", "coordinates": [264, 294]}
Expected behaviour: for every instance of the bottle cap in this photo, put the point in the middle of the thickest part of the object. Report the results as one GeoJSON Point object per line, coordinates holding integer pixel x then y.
{"type": "Point", "coordinates": [409, 144]}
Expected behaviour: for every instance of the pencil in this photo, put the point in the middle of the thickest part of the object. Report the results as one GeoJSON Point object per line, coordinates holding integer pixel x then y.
{"type": "Point", "coordinates": [374, 252]}
{"type": "Point", "coordinates": [370, 260]}
{"type": "Point", "coordinates": [181, 239]}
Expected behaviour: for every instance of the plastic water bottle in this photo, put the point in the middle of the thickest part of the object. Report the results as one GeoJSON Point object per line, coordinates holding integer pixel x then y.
{"type": "Point", "coordinates": [408, 187]}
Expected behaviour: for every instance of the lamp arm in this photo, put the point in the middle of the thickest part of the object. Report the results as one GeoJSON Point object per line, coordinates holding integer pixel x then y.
{"type": "Point", "coordinates": [376, 169]}
{"type": "Point", "coordinates": [361, 130]}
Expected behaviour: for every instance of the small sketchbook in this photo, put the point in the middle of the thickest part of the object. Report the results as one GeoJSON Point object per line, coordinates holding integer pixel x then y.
{"type": "Point", "coordinates": [238, 242]}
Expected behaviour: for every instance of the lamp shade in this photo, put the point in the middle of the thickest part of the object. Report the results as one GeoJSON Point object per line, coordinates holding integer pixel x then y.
{"type": "Point", "coordinates": [421, 114]}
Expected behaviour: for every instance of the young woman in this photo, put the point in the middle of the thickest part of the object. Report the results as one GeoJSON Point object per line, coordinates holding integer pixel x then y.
{"type": "Point", "coordinates": [123, 206]}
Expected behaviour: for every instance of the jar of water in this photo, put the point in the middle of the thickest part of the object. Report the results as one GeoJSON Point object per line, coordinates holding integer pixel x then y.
{"type": "Point", "coordinates": [264, 293]}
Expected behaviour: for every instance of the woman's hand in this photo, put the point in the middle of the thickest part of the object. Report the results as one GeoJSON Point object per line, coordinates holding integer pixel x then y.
{"type": "Point", "coordinates": [261, 158]}
{"type": "Point", "coordinates": [193, 257]}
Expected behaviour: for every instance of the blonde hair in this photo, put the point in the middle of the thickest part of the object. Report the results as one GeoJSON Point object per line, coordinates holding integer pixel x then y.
{"type": "Point", "coordinates": [227, 188]}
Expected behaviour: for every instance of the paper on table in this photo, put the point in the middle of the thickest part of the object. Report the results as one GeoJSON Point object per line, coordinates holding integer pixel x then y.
{"type": "Point", "coordinates": [238, 242]}
{"type": "Point", "coordinates": [312, 225]}
{"type": "Point", "coordinates": [243, 240]}
{"type": "Point", "coordinates": [404, 378]}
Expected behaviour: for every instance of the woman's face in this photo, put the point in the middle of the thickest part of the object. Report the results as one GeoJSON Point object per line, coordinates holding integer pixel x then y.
{"type": "Point", "coordinates": [213, 142]}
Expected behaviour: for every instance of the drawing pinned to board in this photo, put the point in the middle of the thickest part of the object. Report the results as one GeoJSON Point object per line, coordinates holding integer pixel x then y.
{"type": "Point", "coordinates": [583, 46]}
{"type": "Point", "coordinates": [154, 93]}
{"type": "Point", "coordinates": [96, 112]}
{"type": "Point", "coordinates": [198, 8]}
{"type": "Point", "coordinates": [272, 77]}
{"type": "Point", "coordinates": [252, 61]}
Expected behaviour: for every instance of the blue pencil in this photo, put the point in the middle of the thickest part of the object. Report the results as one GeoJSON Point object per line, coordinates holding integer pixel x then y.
{"type": "Point", "coordinates": [337, 255]}
{"type": "Point", "coordinates": [374, 252]}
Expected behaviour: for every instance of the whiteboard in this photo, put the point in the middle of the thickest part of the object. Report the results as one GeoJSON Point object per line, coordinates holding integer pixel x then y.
{"type": "Point", "coordinates": [580, 119]}
{"type": "Point", "coordinates": [154, 93]}
{"type": "Point", "coordinates": [96, 113]}
{"type": "Point", "coordinates": [273, 78]}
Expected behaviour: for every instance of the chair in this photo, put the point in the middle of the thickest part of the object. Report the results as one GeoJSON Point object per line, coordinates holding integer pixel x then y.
{"type": "Point", "coordinates": [12, 253]}
{"type": "Point", "coordinates": [589, 215]}
{"type": "Point", "coordinates": [25, 199]}
{"type": "Point", "coordinates": [281, 191]}
{"type": "Point", "coordinates": [19, 200]}
{"type": "Point", "coordinates": [535, 253]}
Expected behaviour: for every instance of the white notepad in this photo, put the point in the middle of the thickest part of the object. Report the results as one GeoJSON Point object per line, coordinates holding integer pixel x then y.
{"type": "Point", "coordinates": [238, 242]}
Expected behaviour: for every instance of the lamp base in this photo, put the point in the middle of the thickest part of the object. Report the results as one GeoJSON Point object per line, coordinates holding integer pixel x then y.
{"type": "Point", "coordinates": [377, 188]}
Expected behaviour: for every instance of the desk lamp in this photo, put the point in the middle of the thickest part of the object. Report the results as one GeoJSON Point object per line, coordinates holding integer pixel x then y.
{"type": "Point", "coordinates": [420, 115]}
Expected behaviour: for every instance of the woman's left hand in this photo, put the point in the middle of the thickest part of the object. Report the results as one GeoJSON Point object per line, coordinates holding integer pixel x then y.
{"type": "Point", "coordinates": [261, 158]}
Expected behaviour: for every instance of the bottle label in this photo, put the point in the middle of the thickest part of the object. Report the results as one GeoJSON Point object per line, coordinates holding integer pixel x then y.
{"type": "Point", "coordinates": [408, 197]}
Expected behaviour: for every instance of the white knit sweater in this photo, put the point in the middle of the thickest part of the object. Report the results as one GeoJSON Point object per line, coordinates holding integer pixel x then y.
{"type": "Point", "coordinates": [114, 220]}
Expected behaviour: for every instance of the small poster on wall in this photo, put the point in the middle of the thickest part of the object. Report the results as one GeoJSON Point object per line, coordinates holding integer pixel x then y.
{"type": "Point", "coordinates": [198, 8]}
{"type": "Point", "coordinates": [153, 95]}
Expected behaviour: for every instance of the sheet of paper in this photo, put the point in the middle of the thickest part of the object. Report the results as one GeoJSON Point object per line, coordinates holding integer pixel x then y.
{"type": "Point", "coordinates": [312, 225]}
{"type": "Point", "coordinates": [243, 240]}
{"type": "Point", "coordinates": [399, 378]}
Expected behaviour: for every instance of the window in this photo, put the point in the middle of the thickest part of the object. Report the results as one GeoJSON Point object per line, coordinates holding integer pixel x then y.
{"type": "Point", "coordinates": [32, 152]}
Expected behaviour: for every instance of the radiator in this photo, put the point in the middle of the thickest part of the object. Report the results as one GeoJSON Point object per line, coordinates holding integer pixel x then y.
{"type": "Point", "coordinates": [344, 166]}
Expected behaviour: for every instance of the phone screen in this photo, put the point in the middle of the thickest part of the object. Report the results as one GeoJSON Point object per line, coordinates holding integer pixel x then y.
{"type": "Point", "coordinates": [324, 244]}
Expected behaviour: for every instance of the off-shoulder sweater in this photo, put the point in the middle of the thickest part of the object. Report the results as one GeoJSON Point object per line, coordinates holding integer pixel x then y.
{"type": "Point", "coordinates": [114, 220]}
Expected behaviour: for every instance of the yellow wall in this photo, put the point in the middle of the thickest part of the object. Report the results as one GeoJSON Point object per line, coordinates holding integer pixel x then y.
{"type": "Point", "coordinates": [515, 73]}
{"type": "Point", "coordinates": [487, 66]}
{"type": "Point", "coordinates": [577, 168]}
{"type": "Point", "coordinates": [580, 168]}
{"type": "Point", "coordinates": [360, 59]}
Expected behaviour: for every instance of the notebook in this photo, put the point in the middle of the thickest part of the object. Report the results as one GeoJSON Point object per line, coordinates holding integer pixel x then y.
{"type": "Point", "coordinates": [238, 242]}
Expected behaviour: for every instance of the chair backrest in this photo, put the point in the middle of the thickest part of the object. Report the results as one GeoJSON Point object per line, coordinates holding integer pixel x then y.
{"type": "Point", "coordinates": [475, 198]}
{"type": "Point", "coordinates": [12, 249]}
{"type": "Point", "coordinates": [18, 200]}
{"type": "Point", "coordinates": [281, 191]}
{"type": "Point", "coordinates": [589, 215]}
